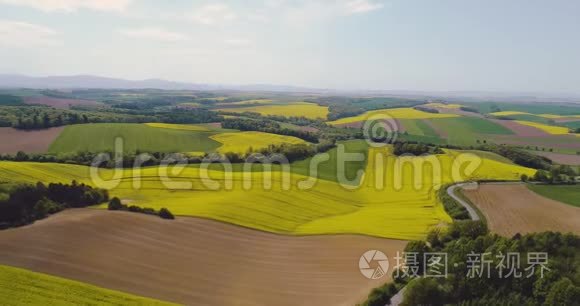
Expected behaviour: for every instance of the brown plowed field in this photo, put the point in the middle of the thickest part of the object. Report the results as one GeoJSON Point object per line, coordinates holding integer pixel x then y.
{"type": "Point", "coordinates": [13, 140]}
{"type": "Point", "coordinates": [513, 208]}
{"type": "Point", "coordinates": [194, 261]}
{"type": "Point", "coordinates": [520, 129]}
{"type": "Point", "coordinates": [563, 159]}
{"type": "Point", "coordinates": [59, 102]}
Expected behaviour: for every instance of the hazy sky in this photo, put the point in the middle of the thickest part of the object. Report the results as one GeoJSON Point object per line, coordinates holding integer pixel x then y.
{"type": "Point", "coordinates": [503, 45]}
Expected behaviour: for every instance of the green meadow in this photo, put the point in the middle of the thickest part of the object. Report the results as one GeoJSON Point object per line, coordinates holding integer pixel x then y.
{"type": "Point", "coordinates": [100, 137]}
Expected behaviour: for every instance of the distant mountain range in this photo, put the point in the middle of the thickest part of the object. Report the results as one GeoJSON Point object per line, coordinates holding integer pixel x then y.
{"type": "Point", "coordinates": [98, 82]}
{"type": "Point", "coordinates": [94, 82]}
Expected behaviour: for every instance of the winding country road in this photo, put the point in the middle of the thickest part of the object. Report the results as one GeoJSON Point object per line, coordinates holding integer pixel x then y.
{"type": "Point", "coordinates": [451, 192]}
{"type": "Point", "coordinates": [397, 299]}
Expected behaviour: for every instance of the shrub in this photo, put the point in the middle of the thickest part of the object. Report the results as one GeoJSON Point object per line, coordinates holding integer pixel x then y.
{"type": "Point", "coordinates": [115, 204]}
{"type": "Point", "coordinates": [164, 213]}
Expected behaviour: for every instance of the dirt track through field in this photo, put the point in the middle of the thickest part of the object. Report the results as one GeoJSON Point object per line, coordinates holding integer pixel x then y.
{"type": "Point", "coordinates": [513, 208]}
{"type": "Point", "coordinates": [195, 261]}
{"type": "Point", "coordinates": [13, 140]}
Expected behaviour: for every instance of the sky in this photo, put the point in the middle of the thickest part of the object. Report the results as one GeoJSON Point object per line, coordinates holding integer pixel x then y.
{"type": "Point", "coordinates": [430, 45]}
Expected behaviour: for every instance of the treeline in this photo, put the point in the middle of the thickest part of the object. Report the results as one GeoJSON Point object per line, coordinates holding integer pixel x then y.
{"type": "Point", "coordinates": [267, 126]}
{"type": "Point", "coordinates": [301, 121]}
{"type": "Point", "coordinates": [38, 117]}
{"type": "Point", "coordinates": [414, 148]}
{"type": "Point", "coordinates": [560, 284]}
{"type": "Point", "coordinates": [426, 109]}
{"type": "Point", "coordinates": [163, 213]}
{"type": "Point", "coordinates": [468, 109]}
{"type": "Point", "coordinates": [558, 174]}
{"type": "Point", "coordinates": [292, 152]}
{"type": "Point", "coordinates": [520, 157]}
{"type": "Point", "coordinates": [28, 203]}
{"type": "Point", "coordinates": [453, 209]}
{"type": "Point", "coordinates": [10, 100]}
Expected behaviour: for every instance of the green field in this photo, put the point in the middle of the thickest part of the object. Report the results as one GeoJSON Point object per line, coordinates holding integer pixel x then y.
{"type": "Point", "coordinates": [534, 108]}
{"type": "Point", "coordinates": [100, 137]}
{"type": "Point", "coordinates": [569, 194]}
{"type": "Point", "coordinates": [532, 118]}
{"type": "Point", "coordinates": [328, 169]}
{"type": "Point", "coordinates": [23, 287]}
{"type": "Point", "coordinates": [418, 127]}
{"type": "Point", "coordinates": [465, 130]}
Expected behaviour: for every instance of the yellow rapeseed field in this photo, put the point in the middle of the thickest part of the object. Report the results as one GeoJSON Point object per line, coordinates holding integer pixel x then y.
{"type": "Point", "coordinates": [246, 102]}
{"type": "Point", "coordinates": [395, 113]}
{"type": "Point", "coordinates": [294, 109]}
{"type": "Point", "coordinates": [24, 287]}
{"type": "Point", "coordinates": [508, 113]}
{"type": "Point", "coordinates": [443, 105]}
{"type": "Point", "coordinates": [547, 116]}
{"type": "Point", "coordinates": [241, 142]}
{"type": "Point", "coordinates": [550, 129]}
{"type": "Point", "coordinates": [392, 201]}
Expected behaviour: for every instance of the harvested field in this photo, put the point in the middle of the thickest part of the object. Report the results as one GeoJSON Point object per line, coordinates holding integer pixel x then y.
{"type": "Point", "coordinates": [513, 208]}
{"type": "Point", "coordinates": [59, 102]}
{"type": "Point", "coordinates": [563, 159]}
{"type": "Point", "coordinates": [13, 140]}
{"type": "Point", "coordinates": [194, 261]}
{"type": "Point", "coordinates": [520, 129]}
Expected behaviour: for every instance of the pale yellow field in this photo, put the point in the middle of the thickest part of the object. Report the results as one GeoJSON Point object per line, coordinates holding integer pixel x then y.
{"type": "Point", "coordinates": [255, 101]}
{"type": "Point", "coordinates": [294, 109]}
{"type": "Point", "coordinates": [388, 203]}
{"type": "Point", "coordinates": [443, 105]}
{"type": "Point", "coordinates": [395, 113]}
{"type": "Point", "coordinates": [186, 127]}
{"type": "Point", "coordinates": [508, 113]}
{"type": "Point", "coordinates": [548, 116]}
{"type": "Point", "coordinates": [550, 129]}
{"type": "Point", "coordinates": [241, 142]}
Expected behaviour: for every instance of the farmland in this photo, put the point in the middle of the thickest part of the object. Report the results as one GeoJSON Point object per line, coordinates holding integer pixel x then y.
{"type": "Point", "coordinates": [243, 141]}
{"type": "Point", "coordinates": [13, 140]}
{"type": "Point", "coordinates": [569, 194]}
{"type": "Point", "coordinates": [16, 284]}
{"type": "Point", "coordinates": [395, 113]}
{"type": "Point", "coordinates": [101, 138]}
{"type": "Point", "coordinates": [376, 200]}
{"type": "Point", "coordinates": [325, 208]}
{"type": "Point", "coordinates": [550, 129]}
{"type": "Point", "coordinates": [514, 208]}
{"type": "Point", "coordinates": [123, 251]}
{"type": "Point", "coordinates": [295, 109]}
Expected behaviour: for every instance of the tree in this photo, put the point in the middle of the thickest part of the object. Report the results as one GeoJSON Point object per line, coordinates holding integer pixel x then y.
{"type": "Point", "coordinates": [424, 291]}
{"type": "Point", "coordinates": [115, 204]}
{"type": "Point", "coordinates": [165, 213]}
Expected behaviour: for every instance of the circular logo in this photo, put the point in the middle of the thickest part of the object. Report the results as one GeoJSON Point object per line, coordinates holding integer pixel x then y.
{"type": "Point", "coordinates": [373, 264]}
{"type": "Point", "coordinates": [380, 130]}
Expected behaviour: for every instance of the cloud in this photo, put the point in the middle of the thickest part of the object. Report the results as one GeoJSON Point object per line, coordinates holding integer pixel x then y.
{"type": "Point", "coordinates": [152, 33]}
{"type": "Point", "coordinates": [237, 42]}
{"type": "Point", "coordinates": [18, 34]}
{"type": "Point", "coordinates": [71, 5]}
{"type": "Point", "coordinates": [212, 14]}
{"type": "Point", "coordinates": [361, 6]}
